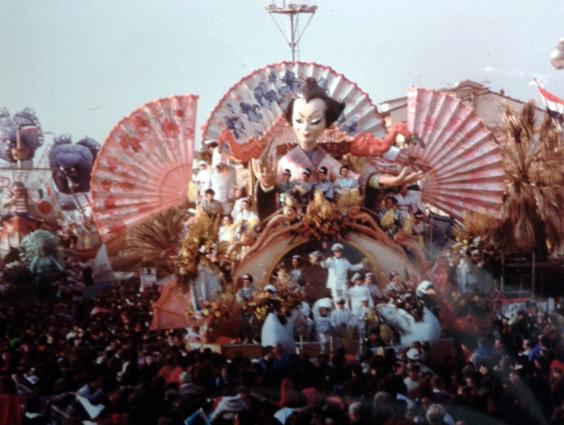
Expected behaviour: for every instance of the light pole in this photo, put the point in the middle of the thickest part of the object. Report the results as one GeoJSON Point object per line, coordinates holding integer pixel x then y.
{"type": "Point", "coordinates": [281, 9]}
{"type": "Point", "coordinates": [557, 55]}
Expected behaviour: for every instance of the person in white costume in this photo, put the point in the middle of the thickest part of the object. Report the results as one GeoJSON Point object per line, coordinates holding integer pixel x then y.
{"type": "Point", "coordinates": [428, 329]}
{"type": "Point", "coordinates": [365, 316]}
{"type": "Point", "coordinates": [341, 320]}
{"type": "Point", "coordinates": [357, 293]}
{"type": "Point", "coordinates": [338, 267]}
{"type": "Point", "coordinates": [202, 179]}
{"type": "Point", "coordinates": [370, 283]}
{"type": "Point", "coordinates": [240, 196]}
{"type": "Point", "coordinates": [218, 153]}
{"type": "Point", "coordinates": [322, 318]}
{"type": "Point", "coordinates": [222, 184]}
{"type": "Point", "coordinates": [278, 328]}
{"type": "Point", "coordinates": [409, 201]}
{"type": "Point", "coordinates": [345, 183]}
{"type": "Point", "coordinates": [228, 230]}
{"type": "Point", "coordinates": [324, 185]}
{"type": "Point", "coordinates": [207, 286]}
{"type": "Point", "coordinates": [246, 217]}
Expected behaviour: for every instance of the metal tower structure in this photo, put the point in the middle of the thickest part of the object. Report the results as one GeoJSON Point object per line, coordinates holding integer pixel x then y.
{"type": "Point", "coordinates": [280, 10]}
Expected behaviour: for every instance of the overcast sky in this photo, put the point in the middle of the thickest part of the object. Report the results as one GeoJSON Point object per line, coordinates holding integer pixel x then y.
{"type": "Point", "coordinates": [85, 64]}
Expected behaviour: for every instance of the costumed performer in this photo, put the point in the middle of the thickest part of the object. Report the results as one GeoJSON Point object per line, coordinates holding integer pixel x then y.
{"type": "Point", "coordinates": [338, 267]}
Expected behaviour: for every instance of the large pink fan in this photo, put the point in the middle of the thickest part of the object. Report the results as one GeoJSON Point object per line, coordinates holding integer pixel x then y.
{"type": "Point", "coordinates": [466, 164]}
{"type": "Point", "coordinates": [145, 165]}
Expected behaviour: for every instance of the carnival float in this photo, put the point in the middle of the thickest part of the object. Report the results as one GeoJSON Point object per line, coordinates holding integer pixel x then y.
{"type": "Point", "coordinates": [298, 187]}
{"type": "Point", "coordinates": [301, 207]}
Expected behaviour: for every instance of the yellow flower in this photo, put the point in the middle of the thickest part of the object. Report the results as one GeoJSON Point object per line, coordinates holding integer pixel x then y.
{"type": "Point", "coordinates": [205, 312]}
{"type": "Point", "coordinates": [217, 314]}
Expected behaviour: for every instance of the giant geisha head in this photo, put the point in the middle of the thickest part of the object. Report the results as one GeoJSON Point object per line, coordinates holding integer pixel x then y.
{"type": "Point", "coordinates": [311, 113]}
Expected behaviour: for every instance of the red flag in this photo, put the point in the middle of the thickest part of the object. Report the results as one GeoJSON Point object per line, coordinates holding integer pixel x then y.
{"type": "Point", "coordinates": [553, 104]}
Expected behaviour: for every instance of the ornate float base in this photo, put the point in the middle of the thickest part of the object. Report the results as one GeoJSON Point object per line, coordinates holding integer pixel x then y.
{"type": "Point", "coordinates": [383, 258]}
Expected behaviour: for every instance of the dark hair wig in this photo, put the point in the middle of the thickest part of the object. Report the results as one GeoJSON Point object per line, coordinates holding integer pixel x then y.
{"type": "Point", "coordinates": [311, 90]}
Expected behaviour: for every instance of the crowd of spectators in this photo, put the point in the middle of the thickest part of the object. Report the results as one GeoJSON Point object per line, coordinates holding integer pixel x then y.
{"type": "Point", "coordinates": [77, 360]}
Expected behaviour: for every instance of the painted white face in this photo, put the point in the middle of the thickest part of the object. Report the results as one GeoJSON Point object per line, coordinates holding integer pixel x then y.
{"type": "Point", "coordinates": [308, 121]}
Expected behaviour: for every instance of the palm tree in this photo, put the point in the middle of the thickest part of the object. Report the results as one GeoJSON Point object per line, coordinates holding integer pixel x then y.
{"type": "Point", "coordinates": [154, 242]}
{"type": "Point", "coordinates": [532, 218]}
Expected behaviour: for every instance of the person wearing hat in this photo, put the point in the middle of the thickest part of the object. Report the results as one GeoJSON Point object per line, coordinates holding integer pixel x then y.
{"type": "Point", "coordinates": [202, 179]}
{"type": "Point", "coordinates": [324, 185]}
{"type": "Point", "coordinates": [365, 317]}
{"type": "Point", "coordinates": [322, 319]}
{"type": "Point", "coordinates": [304, 188]}
{"type": "Point", "coordinates": [286, 188]}
{"type": "Point", "coordinates": [341, 320]}
{"type": "Point", "coordinates": [338, 268]}
{"type": "Point", "coordinates": [270, 289]}
{"type": "Point", "coordinates": [356, 293]}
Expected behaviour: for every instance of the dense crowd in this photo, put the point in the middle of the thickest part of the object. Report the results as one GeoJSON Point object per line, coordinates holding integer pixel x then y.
{"type": "Point", "coordinates": [74, 360]}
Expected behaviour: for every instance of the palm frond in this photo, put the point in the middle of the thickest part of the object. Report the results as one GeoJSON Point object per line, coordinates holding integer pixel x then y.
{"type": "Point", "coordinates": [154, 243]}
{"type": "Point", "coordinates": [535, 182]}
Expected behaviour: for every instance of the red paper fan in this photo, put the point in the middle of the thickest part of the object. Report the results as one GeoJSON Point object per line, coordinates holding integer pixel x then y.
{"type": "Point", "coordinates": [145, 165]}
{"type": "Point", "coordinates": [466, 164]}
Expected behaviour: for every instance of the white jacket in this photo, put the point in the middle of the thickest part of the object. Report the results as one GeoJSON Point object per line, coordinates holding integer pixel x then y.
{"type": "Point", "coordinates": [340, 317]}
{"type": "Point", "coordinates": [356, 294]}
{"type": "Point", "coordinates": [338, 270]}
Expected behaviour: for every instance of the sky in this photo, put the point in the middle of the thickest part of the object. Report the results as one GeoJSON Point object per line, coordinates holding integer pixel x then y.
{"type": "Point", "coordinates": [85, 64]}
